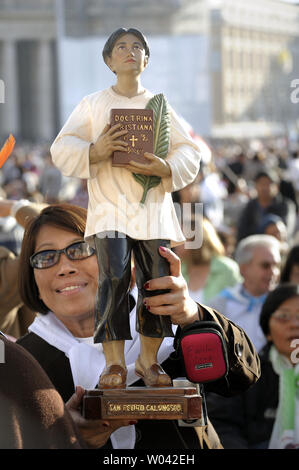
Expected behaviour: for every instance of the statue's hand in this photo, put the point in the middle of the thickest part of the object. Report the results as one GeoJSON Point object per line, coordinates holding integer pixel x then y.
{"type": "Point", "coordinates": [156, 166]}
{"type": "Point", "coordinates": [177, 303]}
{"type": "Point", "coordinates": [107, 143]}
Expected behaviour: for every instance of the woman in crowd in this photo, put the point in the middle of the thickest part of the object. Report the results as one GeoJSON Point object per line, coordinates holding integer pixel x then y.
{"type": "Point", "coordinates": [266, 415]}
{"type": "Point", "coordinates": [208, 270]}
{"type": "Point", "coordinates": [59, 279]}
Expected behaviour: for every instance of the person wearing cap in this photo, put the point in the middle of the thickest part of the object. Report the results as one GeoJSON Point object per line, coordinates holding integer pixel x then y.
{"type": "Point", "coordinates": [268, 200]}
{"type": "Point", "coordinates": [273, 225]}
{"type": "Point", "coordinates": [117, 223]}
{"type": "Point", "coordinates": [267, 414]}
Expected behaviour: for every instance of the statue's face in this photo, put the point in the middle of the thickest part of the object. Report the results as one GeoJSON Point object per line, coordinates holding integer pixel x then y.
{"type": "Point", "coordinates": [128, 55]}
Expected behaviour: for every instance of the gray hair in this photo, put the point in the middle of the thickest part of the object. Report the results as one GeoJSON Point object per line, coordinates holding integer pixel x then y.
{"type": "Point", "coordinates": [246, 247]}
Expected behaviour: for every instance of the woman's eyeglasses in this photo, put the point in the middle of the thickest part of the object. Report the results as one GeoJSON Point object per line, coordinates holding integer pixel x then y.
{"type": "Point", "coordinates": [285, 317]}
{"type": "Point", "coordinates": [48, 258]}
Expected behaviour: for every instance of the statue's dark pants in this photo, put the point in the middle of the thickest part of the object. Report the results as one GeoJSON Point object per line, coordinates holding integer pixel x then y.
{"type": "Point", "coordinates": [112, 305]}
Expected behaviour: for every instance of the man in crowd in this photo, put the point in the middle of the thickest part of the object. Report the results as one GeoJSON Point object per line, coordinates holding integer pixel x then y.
{"type": "Point", "coordinates": [259, 260]}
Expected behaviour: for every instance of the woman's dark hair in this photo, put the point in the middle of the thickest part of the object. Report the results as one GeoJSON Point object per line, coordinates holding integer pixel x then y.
{"type": "Point", "coordinates": [107, 50]}
{"type": "Point", "coordinates": [65, 216]}
{"type": "Point", "coordinates": [273, 301]}
{"type": "Point", "coordinates": [291, 260]}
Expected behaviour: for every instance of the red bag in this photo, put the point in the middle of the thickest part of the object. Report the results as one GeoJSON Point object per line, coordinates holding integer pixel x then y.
{"type": "Point", "coordinates": [204, 352]}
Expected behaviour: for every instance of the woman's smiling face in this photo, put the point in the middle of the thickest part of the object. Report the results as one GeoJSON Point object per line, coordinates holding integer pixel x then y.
{"type": "Point", "coordinates": [69, 287]}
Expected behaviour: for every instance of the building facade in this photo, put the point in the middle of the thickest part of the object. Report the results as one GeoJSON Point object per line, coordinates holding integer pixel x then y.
{"type": "Point", "coordinates": [226, 66]}
{"type": "Point", "coordinates": [255, 57]}
{"type": "Point", "coordinates": [28, 69]}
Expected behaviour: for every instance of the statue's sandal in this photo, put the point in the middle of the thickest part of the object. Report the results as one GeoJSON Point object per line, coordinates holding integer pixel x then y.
{"type": "Point", "coordinates": [114, 376]}
{"type": "Point", "coordinates": [154, 376]}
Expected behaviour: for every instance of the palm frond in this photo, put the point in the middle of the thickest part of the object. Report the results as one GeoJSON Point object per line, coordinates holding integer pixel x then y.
{"type": "Point", "coordinates": [160, 108]}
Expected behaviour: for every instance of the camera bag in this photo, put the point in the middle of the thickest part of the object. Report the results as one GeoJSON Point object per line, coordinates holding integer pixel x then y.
{"type": "Point", "coordinates": [204, 352]}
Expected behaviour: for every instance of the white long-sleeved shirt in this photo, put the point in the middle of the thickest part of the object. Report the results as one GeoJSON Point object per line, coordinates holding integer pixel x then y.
{"type": "Point", "coordinates": [243, 309]}
{"type": "Point", "coordinates": [114, 195]}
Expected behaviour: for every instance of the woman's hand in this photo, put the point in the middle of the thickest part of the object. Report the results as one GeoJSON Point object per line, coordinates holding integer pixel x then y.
{"type": "Point", "coordinates": [156, 166]}
{"type": "Point", "coordinates": [95, 433]}
{"type": "Point", "coordinates": [107, 143]}
{"type": "Point", "coordinates": [177, 303]}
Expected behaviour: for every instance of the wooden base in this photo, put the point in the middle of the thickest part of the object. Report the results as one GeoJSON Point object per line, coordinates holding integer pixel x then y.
{"type": "Point", "coordinates": [182, 403]}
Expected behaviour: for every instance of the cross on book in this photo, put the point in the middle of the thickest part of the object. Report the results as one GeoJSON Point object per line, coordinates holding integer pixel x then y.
{"type": "Point", "coordinates": [140, 137]}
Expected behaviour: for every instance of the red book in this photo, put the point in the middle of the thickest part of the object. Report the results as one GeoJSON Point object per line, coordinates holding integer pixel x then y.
{"type": "Point", "coordinates": [140, 137]}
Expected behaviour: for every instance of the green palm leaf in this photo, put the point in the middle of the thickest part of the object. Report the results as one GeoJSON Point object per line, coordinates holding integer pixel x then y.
{"type": "Point", "coordinates": [161, 112]}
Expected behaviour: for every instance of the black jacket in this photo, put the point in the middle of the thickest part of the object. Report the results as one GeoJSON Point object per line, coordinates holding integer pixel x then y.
{"type": "Point", "coordinates": [246, 421]}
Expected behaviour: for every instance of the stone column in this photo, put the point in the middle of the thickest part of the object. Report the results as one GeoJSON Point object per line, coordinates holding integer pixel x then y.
{"type": "Point", "coordinates": [44, 91]}
{"type": "Point", "coordinates": [9, 110]}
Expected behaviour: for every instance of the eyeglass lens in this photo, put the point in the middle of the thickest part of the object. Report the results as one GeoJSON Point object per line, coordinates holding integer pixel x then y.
{"type": "Point", "coordinates": [48, 258]}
